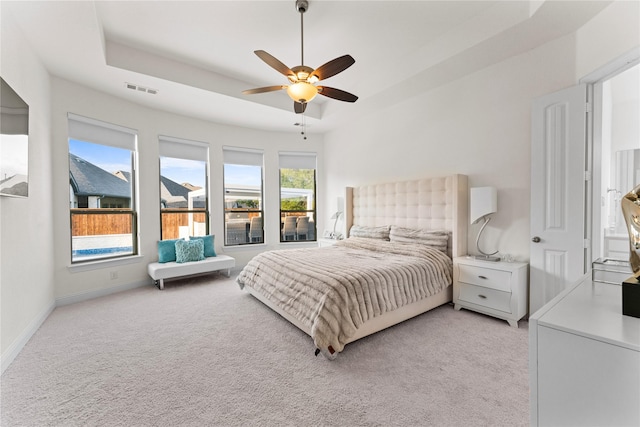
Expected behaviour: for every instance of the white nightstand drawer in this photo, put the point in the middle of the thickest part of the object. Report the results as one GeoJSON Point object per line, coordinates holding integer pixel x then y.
{"type": "Point", "coordinates": [490, 298]}
{"type": "Point", "coordinates": [486, 277]}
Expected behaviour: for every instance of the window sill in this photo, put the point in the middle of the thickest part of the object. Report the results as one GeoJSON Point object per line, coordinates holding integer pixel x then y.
{"type": "Point", "coordinates": [246, 246]}
{"type": "Point", "coordinates": [95, 265]}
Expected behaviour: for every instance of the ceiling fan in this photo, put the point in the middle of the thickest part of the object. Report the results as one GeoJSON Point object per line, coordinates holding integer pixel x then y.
{"type": "Point", "coordinates": [302, 88]}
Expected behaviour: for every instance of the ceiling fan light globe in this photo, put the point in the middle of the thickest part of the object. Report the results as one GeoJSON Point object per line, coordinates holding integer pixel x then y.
{"type": "Point", "coordinates": [302, 92]}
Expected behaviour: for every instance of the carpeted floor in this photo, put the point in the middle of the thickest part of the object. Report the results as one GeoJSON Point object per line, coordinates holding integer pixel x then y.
{"type": "Point", "coordinates": [204, 353]}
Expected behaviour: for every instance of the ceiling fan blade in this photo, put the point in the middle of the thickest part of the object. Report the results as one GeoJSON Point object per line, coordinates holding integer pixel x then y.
{"type": "Point", "coordinates": [333, 67]}
{"type": "Point", "coordinates": [338, 94]}
{"type": "Point", "coordinates": [299, 107]}
{"type": "Point", "coordinates": [263, 89]}
{"type": "Point", "coordinates": [274, 63]}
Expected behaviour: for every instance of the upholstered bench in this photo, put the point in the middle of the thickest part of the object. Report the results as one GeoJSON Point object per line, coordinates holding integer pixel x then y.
{"type": "Point", "coordinates": [170, 270]}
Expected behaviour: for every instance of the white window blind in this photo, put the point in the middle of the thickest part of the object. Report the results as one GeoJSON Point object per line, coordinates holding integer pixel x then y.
{"type": "Point", "coordinates": [242, 156]}
{"type": "Point", "coordinates": [98, 132]}
{"type": "Point", "coordinates": [183, 148]}
{"type": "Point", "coordinates": [297, 160]}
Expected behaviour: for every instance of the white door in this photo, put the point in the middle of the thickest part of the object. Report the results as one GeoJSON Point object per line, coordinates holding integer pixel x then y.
{"type": "Point", "coordinates": [558, 147]}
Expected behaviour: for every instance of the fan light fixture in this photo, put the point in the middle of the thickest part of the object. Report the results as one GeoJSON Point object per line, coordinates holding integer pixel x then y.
{"type": "Point", "coordinates": [484, 202]}
{"type": "Point", "coordinates": [303, 79]}
{"type": "Point", "coordinates": [302, 92]}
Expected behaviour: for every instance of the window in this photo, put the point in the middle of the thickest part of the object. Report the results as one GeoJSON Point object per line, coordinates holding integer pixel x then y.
{"type": "Point", "coordinates": [102, 200]}
{"type": "Point", "coordinates": [243, 216]}
{"type": "Point", "coordinates": [297, 196]}
{"type": "Point", "coordinates": [184, 200]}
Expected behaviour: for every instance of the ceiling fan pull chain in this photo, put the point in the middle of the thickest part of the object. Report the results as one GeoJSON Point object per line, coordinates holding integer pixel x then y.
{"type": "Point", "coordinates": [304, 127]}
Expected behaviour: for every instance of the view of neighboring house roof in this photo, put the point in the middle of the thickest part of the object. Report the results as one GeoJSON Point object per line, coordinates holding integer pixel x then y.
{"type": "Point", "coordinates": [123, 175]}
{"type": "Point", "coordinates": [176, 195]}
{"type": "Point", "coordinates": [191, 187]}
{"type": "Point", "coordinates": [173, 194]}
{"type": "Point", "coordinates": [88, 179]}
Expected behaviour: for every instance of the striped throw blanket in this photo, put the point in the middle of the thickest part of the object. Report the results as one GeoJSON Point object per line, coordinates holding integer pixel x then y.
{"type": "Point", "coordinates": [334, 290]}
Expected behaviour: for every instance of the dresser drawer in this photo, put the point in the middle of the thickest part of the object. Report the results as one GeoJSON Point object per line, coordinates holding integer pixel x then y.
{"type": "Point", "coordinates": [490, 298]}
{"type": "Point", "coordinates": [485, 277]}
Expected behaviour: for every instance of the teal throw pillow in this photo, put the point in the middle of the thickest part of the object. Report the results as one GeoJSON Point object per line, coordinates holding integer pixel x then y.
{"type": "Point", "coordinates": [209, 249]}
{"type": "Point", "coordinates": [189, 250]}
{"type": "Point", "coordinates": [167, 250]}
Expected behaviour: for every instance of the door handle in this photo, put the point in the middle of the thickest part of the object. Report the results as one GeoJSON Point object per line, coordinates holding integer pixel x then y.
{"type": "Point", "coordinates": [536, 239]}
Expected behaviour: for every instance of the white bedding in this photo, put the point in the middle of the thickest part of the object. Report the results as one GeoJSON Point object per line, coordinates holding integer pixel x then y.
{"type": "Point", "coordinates": [334, 290]}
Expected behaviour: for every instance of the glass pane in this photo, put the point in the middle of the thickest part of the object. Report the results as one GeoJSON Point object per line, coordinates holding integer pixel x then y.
{"type": "Point", "coordinates": [101, 174]}
{"type": "Point", "coordinates": [297, 204]}
{"type": "Point", "coordinates": [183, 224]}
{"type": "Point", "coordinates": [297, 226]}
{"type": "Point", "coordinates": [100, 198]}
{"type": "Point", "coordinates": [297, 189]}
{"type": "Point", "coordinates": [96, 235]}
{"type": "Point", "coordinates": [243, 202]}
{"type": "Point", "coordinates": [183, 188]}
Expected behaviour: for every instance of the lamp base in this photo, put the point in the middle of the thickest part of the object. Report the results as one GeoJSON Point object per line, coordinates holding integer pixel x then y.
{"type": "Point", "coordinates": [631, 296]}
{"type": "Point", "coordinates": [486, 258]}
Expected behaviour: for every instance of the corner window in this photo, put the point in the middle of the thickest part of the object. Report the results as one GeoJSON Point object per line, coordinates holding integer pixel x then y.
{"type": "Point", "coordinates": [102, 202]}
{"type": "Point", "coordinates": [184, 198]}
{"type": "Point", "coordinates": [297, 197]}
{"type": "Point", "coordinates": [243, 215]}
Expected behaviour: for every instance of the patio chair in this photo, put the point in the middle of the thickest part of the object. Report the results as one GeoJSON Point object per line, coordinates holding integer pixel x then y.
{"type": "Point", "coordinates": [302, 228]}
{"type": "Point", "coordinates": [289, 229]}
{"type": "Point", "coordinates": [256, 231]}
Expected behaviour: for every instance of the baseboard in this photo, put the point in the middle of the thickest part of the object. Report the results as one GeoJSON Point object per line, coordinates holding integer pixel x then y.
{"type": "Point", "coordinates": [16, 346]}
{"type": "Point", "coordinates": [84, 296]}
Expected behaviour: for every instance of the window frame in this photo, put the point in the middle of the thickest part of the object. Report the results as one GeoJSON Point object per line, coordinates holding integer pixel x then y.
{"type": "Point", "coordinates": [242, 157]}
{"type": "Point", "coordinates": [298, 161]}
{"type": "Point", "coordinates": [92, 131]}
{"type": "Point", "coordinates": [183, 149]}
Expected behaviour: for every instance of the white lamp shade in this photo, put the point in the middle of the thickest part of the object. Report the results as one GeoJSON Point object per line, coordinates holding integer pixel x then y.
{"type": "Point", "coordinates": [484, 201]}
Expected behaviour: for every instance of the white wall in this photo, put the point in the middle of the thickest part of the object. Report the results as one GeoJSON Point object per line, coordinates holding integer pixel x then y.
{"type": "Point", "coordinates": [72, 283]}
{"type": "Point", "coordinates": [609, 35]}
{"type": "Point", "coordinates": [26, 225]}
{"type": "Point", "coordinates": [625, 126]}
{"type": "Point", "coordinates": [478, 125]}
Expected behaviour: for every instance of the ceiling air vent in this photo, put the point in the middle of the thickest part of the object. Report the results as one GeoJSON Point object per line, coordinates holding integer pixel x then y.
{"type": "Point", "coordinates": [141, 88]}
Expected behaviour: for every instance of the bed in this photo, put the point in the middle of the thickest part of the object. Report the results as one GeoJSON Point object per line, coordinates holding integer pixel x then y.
{"type": "Point", "coordinates": [395, 264]}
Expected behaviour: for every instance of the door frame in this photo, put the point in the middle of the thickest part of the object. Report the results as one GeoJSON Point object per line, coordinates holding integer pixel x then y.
{"type": "Point", "coordinates": [594, 82]}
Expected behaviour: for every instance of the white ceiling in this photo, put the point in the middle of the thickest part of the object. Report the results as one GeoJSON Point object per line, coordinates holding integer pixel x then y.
{"type": "Point", "coordinates": [199, 54]}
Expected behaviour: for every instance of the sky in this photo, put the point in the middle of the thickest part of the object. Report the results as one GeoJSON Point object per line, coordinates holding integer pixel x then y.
{"type": "Point", "coordinates": [14, 155]}
{"type": "Point", "coordinates": [181, 171]}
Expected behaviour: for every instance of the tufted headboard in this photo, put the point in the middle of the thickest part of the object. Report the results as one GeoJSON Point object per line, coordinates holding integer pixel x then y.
{"type": "Point", "coordinates": [433, 203]}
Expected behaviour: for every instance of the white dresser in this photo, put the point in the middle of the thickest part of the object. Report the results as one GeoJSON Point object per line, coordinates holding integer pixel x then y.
{"type": "Point", "coordinates": [584, 359]}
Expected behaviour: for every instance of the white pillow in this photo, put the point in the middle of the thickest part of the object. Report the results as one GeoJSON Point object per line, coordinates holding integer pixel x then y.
{"type": "Point", "coordinates": [437, 239]}
{"type": "Point", "coordinates": [381, 233]}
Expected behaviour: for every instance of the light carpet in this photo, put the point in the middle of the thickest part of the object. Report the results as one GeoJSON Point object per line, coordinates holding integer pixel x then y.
{"type": "Point", "coordinates": [204, 353]}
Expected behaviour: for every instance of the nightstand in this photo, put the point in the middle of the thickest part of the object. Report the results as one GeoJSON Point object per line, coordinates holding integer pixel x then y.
{"type": "Point", "coordinates": [323, 243]}
{"type": "Point", "coordinates": [498, 289]}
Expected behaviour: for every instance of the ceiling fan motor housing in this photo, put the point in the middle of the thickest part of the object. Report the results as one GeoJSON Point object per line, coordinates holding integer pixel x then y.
{"type": "Point", "coordinates": [302, 6]}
